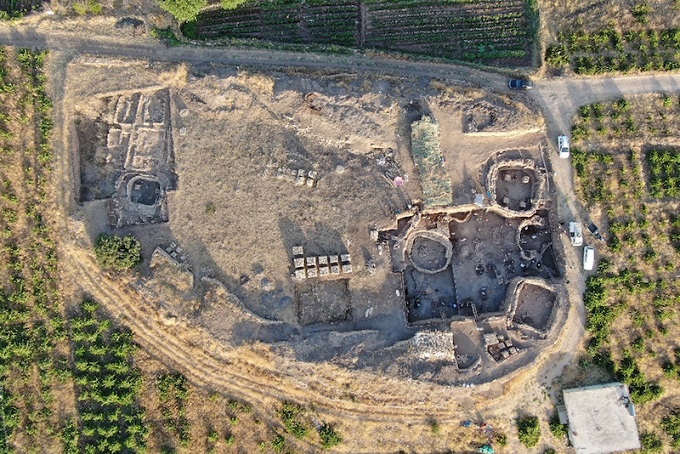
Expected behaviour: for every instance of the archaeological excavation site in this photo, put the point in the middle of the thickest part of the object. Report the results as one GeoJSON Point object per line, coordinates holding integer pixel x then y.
{"type": "Point", "coordinates": [392, 226]}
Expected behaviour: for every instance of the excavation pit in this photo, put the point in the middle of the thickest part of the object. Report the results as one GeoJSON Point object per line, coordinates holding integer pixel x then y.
{"type": "Point", "coordinates": [534, 306]}
{"type": "Point", "coordinates": [144, 191]}
{"type": "Point", "coordinates": [514, 188]}
{"type": "Point", "coordinates": [430, 252]}
{"type": "Point", "coordinates": [430, 295]}
{"type": "Point", "coordinates": [323, 302]}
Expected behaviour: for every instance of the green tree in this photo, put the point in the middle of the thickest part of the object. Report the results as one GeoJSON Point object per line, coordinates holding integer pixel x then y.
{"type": "Point", "coordinates": [231, 4]}
{"type": "Point", "coordinates": [117, 252]}
{"type": "Point", "coordinates": [183, 10]}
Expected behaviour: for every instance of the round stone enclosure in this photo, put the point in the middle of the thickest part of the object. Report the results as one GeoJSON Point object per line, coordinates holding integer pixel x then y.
{"type": "Point", "coordinates": [430, 252]}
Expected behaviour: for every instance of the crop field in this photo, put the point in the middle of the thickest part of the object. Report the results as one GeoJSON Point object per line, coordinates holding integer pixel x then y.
{"type": "Point", "coordinates": [627, 38]}
{"type": "Point", "coordinates": [629, 186]}
{"type": "Point", "coordinates": [492, 32]}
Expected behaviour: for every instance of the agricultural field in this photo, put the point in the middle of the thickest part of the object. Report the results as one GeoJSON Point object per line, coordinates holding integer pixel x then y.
{"type": "Point", "coordinates": [628, 37]}
{"type": "Point", "coordinates": [626, 162]}
{"type": "Point", "coordinates": [33, 331]}
{"type": "Point", "coordinates": [499, 32]}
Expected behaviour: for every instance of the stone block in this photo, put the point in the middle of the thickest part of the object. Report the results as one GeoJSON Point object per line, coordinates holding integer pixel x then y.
{"type": "Point", "coordinates": [299, 262]}
{"type": "Point", "coordinates": [298, 251]}
{"type": "Point", "coordinates": [300, 273]}
{"type": "Point", "coordinates": [505, 354]}
{"type": "Point", "coordinates": [323, 260]}
{"type": "Point", "coordinates": [345, 258]}
{"type": "Point", "coordinates": [311, 272]}
{"type": "Point", "coordinates": [333, 259]}
{"type": "Point", "coordinates": [300, 178]}
{"type": "Point", "coordinates": [323, 271]}
{"type": "Point", "coordinates": [335, 269]}
{"type": "Point", "coordinates": [346, 268]}
{"type": "Point", "coordinates": [311, 261]}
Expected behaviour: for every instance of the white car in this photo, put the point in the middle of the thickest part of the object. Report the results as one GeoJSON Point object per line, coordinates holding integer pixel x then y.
{"type": "Point", "coordinates": [588, 258]}
{"type": "Point", "coordinates": [576, 233]}
{"type": "Point", "coordinates": [563, 146]}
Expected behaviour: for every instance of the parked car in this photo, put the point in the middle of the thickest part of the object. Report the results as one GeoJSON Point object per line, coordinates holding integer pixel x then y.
{"type": "Point", "coordinates": [563, 146]}
{"type": "Point", "coordinates": [588, 258]}
{"type": "Point", "coordinates": [576, 233]}
{"type": "Point", "coordinates": [520, 84]}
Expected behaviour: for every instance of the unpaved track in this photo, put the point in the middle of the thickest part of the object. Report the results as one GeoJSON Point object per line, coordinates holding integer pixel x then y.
{"type": "Point", "coordinates": [206, 363]}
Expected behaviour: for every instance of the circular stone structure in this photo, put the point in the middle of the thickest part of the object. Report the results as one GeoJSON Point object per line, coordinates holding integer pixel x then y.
{"type": "Point", "coordinates": [430, 252]}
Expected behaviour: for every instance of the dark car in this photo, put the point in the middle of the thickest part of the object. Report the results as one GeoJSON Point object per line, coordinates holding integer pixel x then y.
{"type": "Point", "coordinates": [520, 84]}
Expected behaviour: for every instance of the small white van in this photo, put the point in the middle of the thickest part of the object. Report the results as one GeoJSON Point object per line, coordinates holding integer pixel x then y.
{"type": "Point", "coordinates": [588, 258]}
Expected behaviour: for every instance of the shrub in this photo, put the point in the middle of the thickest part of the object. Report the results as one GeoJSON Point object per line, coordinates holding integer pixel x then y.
{"type": "Point", "coordinates": [641, 12]}
{"type": "Point", "coordinates": [558, 429]}
{"type": "Point", "coordinates": [671, 425]}
{"type": "Point", "coordinates": [117, 252]}
{"type": "Point", "coordinates": [650, 442]}
{"type": "Point", "coordinates": [290, 415]}
{"type": "Point", "coordinates": [529, 431]}
{"type": "Point", "coordinates": [329, 437]}
{"type": "Point", "coordinates": [556, 55]}
{"type": "Point", "coordinates": [183, 10]}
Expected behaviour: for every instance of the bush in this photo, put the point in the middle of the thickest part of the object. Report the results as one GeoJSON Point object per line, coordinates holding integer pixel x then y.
{"type": "Point", "coordinates": [117, 252]}
{"type": "Point", "coordinates": [529, 431]}
{"type": "Point", "coordinates": [183, 10]}
{"type": "Point", "coordinates": [329, 437]}
{"type": "Point", "coordinates": [291, 414]}
{"type": "Point", "coordinates": [671, 425]}
{"type": "Point", "coordinates": [556, 55]}
{"type": "Point", "coordinates": [650, 442]}
{"type": "Point", "coordinates": [558, 429]}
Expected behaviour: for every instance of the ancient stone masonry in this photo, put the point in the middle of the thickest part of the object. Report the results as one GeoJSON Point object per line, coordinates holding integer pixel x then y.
{"type": "Point", "coordinates": [434, 345]}
{"type": "Point", "coordinates": [326, 266]}
{"type": "Point", "coordinates": [139, 140]}
{"type": "Point", "coordinates": [499, 347]}
{"type": "Point", "coordinates": [133, 167]}
{"type": "Point", "coordinates": [300, 177]}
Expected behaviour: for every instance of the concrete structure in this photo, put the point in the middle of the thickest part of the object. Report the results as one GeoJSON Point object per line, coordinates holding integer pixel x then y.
{"type": "Point", "coordinates": [601, 419]}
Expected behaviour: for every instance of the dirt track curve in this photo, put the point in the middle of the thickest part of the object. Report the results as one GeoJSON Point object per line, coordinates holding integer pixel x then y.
{"type": "Point", "coordinates": [264, 381]}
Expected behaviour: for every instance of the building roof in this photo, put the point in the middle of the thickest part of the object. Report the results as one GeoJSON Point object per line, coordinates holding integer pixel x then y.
{"type": "Point", "coordinates": [601, 419]}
